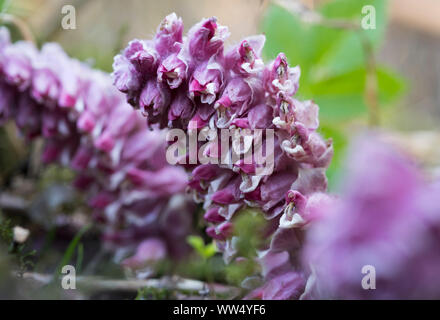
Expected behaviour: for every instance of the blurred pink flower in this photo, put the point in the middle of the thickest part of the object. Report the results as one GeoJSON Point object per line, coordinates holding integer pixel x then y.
{"type": "Point", "coordinates": [388, 218]}
{"type": "Point", "coordinates": [87, 125]}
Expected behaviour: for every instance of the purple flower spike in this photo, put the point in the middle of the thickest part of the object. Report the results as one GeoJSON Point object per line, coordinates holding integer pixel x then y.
{"type": "Point", "coordinates": [136, 197]}
{"type": "Point", "coordinates": [199, 86]}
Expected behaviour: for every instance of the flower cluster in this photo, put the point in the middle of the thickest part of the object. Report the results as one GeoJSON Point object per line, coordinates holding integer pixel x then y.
{"type": "Point", "coordinates": [87, 125]}
{"type": "Point", "coordinates": [388, 219]}
{"type": "Point", "coordinates": [193, 83]}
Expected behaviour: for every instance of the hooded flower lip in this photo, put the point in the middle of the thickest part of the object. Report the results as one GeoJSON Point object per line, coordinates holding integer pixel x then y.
{"type": "Point", "coordinates": [279, 77]}
{"type": "Point", "coordinates": [206, 82]}
{"type": "Point", "coordinates": [154, 98]}
{"type": "Point", "coordinates": [300, 211]}
{"type": "Point", "coordinates": [237, 97]}
{"type": "Point", "coordinates": [141, 55]}
{"type": "Point", "coordinates": [212, 215]}
{"type": "Point", "coordinates": [173, 71]}
{"type": "Point", "coordinates": [172, 26]}
{"type": "Point", "coordinates": [181, 110]}
{"type": "Point", "coordinates": [221, 232]}
{"type": "Point", "coordinates": [169, 34]}
{"type": "Point", "coordinates": [206, 39]}
{"type": "Point", "coordinates": [250, 61]}
{"type": "Point", "coordinates": [245, 59]}
{"type": "Point", "coordinates": [125, 75]}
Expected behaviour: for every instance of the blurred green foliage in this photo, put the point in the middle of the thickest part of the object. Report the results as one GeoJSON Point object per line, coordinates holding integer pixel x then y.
{"type": "Point", "coordinates": [205, 251]}
{"type": "Point", "coordinates": [70, 251]}
{"type": "Point", "coordinates": [23, 257]}
{"type": "Point", "coordinates": [4, 5]}
{"type": "Point", "coordinates": [333, 65]}
{"type": "Point", "coordinates": [248, 232]}
{"type": "Point", "coordinates": [54, 173]}
{"type": "Point", "coordinates": [6, 233]}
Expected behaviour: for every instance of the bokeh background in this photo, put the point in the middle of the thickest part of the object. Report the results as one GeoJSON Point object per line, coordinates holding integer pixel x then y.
{"type": "Point", "coordinates": [387, 78]}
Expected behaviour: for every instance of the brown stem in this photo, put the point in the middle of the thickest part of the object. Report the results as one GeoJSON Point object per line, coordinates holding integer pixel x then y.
{"type": "Point", "coordinates": [19, 24]}
{"type": "Point", "coordinates": [371, 85]}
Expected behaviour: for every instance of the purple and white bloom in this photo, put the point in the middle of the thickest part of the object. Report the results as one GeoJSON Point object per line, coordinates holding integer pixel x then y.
{"type": "Point", "coordinates": [16, 64]}
{"type": "Point", "coordinates": [200, 84]}
{"type": "Point", "coordinates": [245, 59]}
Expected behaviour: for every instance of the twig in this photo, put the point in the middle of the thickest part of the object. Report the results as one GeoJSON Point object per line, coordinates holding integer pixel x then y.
{"type": "Point", "coordinates": [19, 24]}
{"type": "Point", "coordinates": [174, 283]}
{"type": "Point", "coordinates": [371, 85]}
{"type": "Point", "coordinates": [13, 203]}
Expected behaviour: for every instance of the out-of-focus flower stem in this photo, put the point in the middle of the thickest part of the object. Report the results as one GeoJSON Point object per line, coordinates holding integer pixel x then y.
{"type": "Point", "coordinates": [19, 24]}
{"type": "Point", "coordinates": [371, 85]}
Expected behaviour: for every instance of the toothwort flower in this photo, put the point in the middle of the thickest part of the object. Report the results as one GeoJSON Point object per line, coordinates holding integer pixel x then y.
{"type": "Point", "coordinates": [197, 85]}
{"type": "Point", "coordinates": [137, 197]}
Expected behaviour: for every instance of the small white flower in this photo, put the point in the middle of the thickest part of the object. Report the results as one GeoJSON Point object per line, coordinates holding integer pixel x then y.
{"type": "Point", "coordinates": [20, 234]}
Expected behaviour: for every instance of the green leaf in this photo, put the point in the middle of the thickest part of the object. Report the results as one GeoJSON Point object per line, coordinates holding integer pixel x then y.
{"type": "Point", "coordinates": [342, 98]}
{"type": "Point", "coordinates": [68, 254]}
{"type": "Point", "coordinates": [391, 85]}
{"type": "Point", "coordinates": [340, 142]}
{"type": "Point", "coordinates": [196, 242]}
{"type": "Point", "coordinates": [205, 251]}
{"type": "Point", "coordinates": [79, 257]}
{"type": "Point", "coordinates": [4, 5]}
{"type": "Point", "coordinates": [332, 61]}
